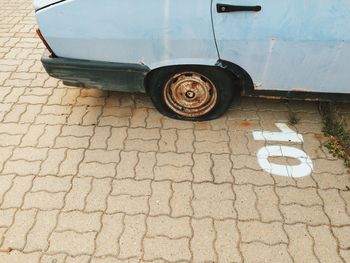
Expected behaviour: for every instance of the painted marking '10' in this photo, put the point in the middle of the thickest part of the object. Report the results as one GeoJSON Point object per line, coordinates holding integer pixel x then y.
{"type": "Point", "coordinates": [286, 134]}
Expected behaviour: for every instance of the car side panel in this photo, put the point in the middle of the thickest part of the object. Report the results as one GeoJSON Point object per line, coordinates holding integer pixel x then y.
{"type": "Point", "coordinates": [155, 33]}
{"type": "Point", "coordinates": [290, 45]}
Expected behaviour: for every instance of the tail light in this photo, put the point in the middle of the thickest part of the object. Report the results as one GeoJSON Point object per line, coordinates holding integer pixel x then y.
{"type": "Point", "coordinates": [38, 32]}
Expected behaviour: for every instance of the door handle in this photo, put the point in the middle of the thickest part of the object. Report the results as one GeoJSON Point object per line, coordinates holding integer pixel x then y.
{"type": "Point", "coordinates": [223, 8]}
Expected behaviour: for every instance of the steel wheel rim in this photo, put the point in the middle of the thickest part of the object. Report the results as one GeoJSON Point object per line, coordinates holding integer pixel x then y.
{"type": "Point", "coordinates": [190, 94]}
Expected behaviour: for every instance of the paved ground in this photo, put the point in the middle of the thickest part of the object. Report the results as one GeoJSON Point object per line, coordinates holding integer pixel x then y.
{"type": "Point", "coordinates": [91, 176]}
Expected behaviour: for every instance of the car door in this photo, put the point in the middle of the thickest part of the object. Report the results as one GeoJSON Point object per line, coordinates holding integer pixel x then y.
{"type": "Point", "coordinates": [288, 45]}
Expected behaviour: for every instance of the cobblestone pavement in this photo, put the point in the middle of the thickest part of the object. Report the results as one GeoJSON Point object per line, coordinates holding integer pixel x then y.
{"type": "Point", "coordinates": [92, 176]}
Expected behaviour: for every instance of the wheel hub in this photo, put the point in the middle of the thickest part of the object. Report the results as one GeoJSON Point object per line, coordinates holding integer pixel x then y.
{"type": "Point", "coordinates": [190, 94]}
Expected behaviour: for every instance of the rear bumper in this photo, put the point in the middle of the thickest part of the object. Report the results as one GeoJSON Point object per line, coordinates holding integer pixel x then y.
{"type": "Point", "coordinates": [92, 74]}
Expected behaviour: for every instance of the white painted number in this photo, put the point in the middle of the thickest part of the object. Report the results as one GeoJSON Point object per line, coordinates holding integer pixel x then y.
{"type": "Point", "coordinates": [286, 135]}
{"type": "Point", "coordinates": [305, 166]}
{"type": "Point", "coordinates": [303, 169]}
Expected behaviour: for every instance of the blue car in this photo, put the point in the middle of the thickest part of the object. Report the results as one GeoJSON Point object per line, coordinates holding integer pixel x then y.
{"type": "Point", "coordinates": [193, 56]}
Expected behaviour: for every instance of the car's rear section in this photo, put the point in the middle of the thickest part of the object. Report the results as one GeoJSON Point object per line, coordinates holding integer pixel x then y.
{"type": "Point", "coordinates": [63, 36]}
{"type": "Point", "coordinates": [154, 33]}
{"type": "Point", "coordinates": [113, 44]}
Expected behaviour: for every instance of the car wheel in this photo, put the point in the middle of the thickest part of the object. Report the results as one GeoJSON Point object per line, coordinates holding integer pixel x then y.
{"type": "Point", "coordinates": [194, 93]}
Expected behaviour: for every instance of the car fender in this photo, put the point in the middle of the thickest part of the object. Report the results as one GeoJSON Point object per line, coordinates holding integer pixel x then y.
{"type": "Point", "coordinates": [181, 62]}
{"type": "Point", "coordinates": [153, 33]}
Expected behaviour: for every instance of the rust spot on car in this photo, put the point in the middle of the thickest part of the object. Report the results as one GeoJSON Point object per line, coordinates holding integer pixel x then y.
{"type": "Point", "coordinates": [270, 97]}
{"type": "Point", "coordinates": [312, 99]}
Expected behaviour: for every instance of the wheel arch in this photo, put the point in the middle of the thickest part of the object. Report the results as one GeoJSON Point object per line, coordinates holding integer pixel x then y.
{"type": "Point", "coordinates": [246, 81]}
{"type": "Point", "coordinates": [246, 84]}
{"type": "Point", "coordinates": [150, 74]}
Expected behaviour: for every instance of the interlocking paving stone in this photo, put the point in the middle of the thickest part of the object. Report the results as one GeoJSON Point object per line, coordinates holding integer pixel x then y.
{"type": "Point", "coordinates": [89, 176]}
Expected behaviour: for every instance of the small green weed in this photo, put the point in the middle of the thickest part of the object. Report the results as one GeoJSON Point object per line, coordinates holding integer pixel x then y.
{"type": "Point", "coordinates": [338, 142]}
